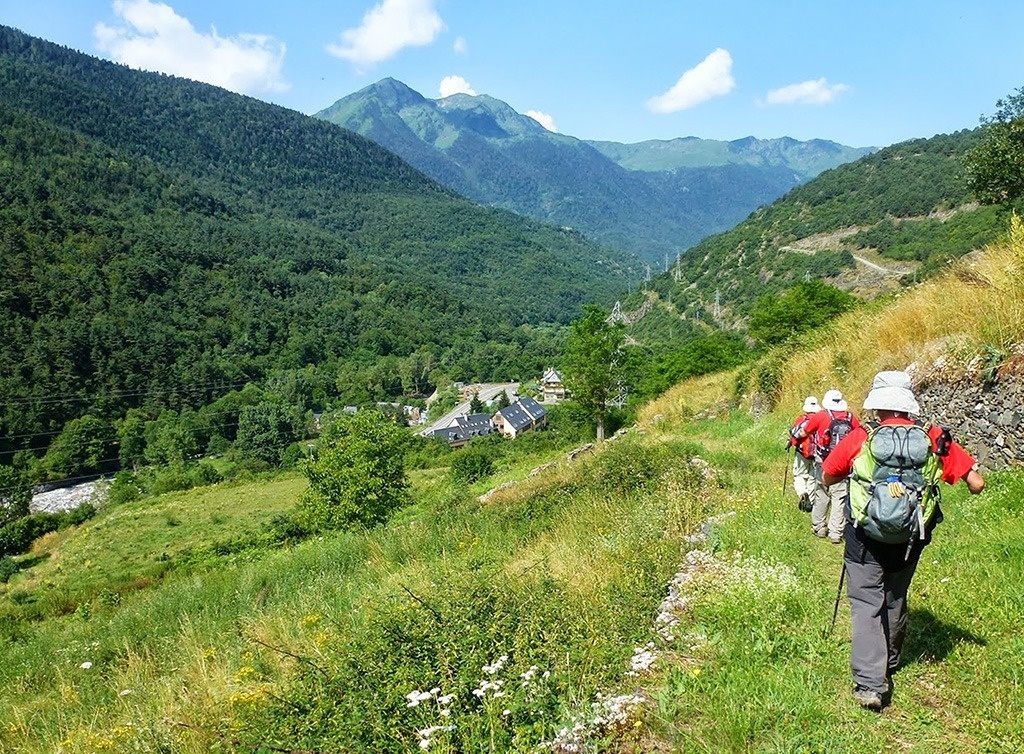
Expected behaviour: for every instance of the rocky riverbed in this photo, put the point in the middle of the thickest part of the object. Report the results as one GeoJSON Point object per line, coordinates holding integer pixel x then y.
{"type": "Point", "coordinates": [67, 498]}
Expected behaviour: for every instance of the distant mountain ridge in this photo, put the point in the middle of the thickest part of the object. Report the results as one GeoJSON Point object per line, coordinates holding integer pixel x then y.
{"type": "Point", "coordinates": [806, 158]}
{"type": "Point", "coordinates": [869, 227]}
{"type": "Point", "coordinates": [653, 198]}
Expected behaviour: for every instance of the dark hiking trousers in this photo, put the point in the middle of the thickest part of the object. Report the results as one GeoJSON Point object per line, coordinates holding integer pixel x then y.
{"type": "Point", "coordinates": [878, 578]}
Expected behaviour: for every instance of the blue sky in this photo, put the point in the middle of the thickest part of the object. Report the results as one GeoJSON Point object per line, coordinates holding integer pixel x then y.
{"type": "Point", "coordinates": [860, 73]}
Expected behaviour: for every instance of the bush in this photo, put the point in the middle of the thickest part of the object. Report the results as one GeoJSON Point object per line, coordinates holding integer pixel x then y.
{"type": "Point", "coordinates": [204, 474]}
{"type": "Point", "coordinates": [17, 537]}
{"type": "Point", "coordinates": [427, 453]}
{"type": "Point", "coordinates": [125, 488]}
{"type": "Point", "coordinates": [170, 479]}
{"type": "Point", "coordinates": [471, 465]}
{"type": "Point", "coordinates": [7, 568]}
{"type": "Point", "coordinates": [15, 495]}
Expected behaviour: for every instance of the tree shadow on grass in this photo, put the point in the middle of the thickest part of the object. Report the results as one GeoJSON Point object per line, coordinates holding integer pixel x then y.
{"type": "Point", "coordinates": [930, 639]}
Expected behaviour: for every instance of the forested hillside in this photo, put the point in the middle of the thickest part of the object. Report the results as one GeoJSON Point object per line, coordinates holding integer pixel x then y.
{"type": "Point", "coordinates": [165, 241]}
{"type": "Point", "coordinates": [907, 207]}
{"type": "Point", "coordinates": [655, 198]}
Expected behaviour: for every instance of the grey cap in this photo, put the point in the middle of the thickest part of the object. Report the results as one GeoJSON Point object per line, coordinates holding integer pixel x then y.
{"type": "Point", "coordinates": [892, 391]}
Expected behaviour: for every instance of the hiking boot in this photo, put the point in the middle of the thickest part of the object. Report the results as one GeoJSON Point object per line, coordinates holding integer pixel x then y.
{"type": "Point", "coordinates": [867, 698]}
{"type": "Point", "coordinates": [836, 540]}
{"type": "Point", "coordinates": [820, 534]}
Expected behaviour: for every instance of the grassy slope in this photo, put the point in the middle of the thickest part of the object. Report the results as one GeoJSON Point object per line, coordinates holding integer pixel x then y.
{"type": "Point", "coordinates": [315, 647]}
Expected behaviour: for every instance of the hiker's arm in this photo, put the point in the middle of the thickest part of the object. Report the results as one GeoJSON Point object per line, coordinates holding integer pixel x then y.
{"type": "Point", "coordinates": [975, 481]}
{"type": "Point", "coordinates": [829, 479]}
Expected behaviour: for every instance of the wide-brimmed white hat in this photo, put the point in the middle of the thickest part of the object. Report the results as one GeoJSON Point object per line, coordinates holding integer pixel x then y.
{"type": "Point", "coordinates": [811, 405]}
{"type": "Point", "coordinates": [833, 401]}
{"type": "Point", "coordinates": [892, 391]}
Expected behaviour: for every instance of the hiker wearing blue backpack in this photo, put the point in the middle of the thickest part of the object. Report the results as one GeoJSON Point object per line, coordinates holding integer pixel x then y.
{"type": "Point", "coordinates": [827, 428]}
{"type": "Point", "coordinates": [894, 466]}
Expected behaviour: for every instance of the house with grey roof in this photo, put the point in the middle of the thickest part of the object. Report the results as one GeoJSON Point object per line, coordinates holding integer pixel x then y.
{"type": "Point", "coordinates": [465, 428]}
{"type": "Point", "coordinates": [522, 416]}
{"type": "Point", "coordinates": [553, 386]}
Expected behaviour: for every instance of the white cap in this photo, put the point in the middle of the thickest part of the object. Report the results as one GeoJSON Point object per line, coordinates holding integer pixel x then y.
{"type": "Point", "coordinates": [833, 401]}
{"type": "Point", "coordinates": [811, 405]}
{"type": "Point", "coordinates": [892, 391]}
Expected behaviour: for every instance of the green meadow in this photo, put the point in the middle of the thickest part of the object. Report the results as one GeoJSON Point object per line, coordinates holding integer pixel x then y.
{"type": "Point", "coordinates": [661, 593]}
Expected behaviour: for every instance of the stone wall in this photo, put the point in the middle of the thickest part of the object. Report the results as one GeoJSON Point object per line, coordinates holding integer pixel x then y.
{"type": "Point", "coordinates": [986, 418]}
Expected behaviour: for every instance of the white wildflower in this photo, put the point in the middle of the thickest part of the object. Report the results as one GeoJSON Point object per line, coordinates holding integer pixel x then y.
{"type": "Point", "coordinates": [415, 697]}
{"type": "Point", "coordinates": [498, 665]}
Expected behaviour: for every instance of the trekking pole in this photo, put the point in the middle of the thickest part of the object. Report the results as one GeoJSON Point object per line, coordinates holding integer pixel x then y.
{"type": "Point", "coordinates": [839, 592]}
{"type": "Point", "coordinates": [785, 474]}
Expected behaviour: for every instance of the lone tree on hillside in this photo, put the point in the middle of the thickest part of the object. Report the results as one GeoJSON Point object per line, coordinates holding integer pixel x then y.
{"type": "Point", "coordinates": [357, 477]}
{"type": "Point", "coordinates": [594, 363]}
{"type": "Point", "coordinates": [995, 168]}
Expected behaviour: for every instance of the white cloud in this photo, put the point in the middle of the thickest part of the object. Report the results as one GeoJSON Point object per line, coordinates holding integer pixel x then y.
{"type": "Point", "coordinates": [387, 29]}
{"type": "Point", "coordinates": [155, 38]}
{"type": "Point", "coordinates": [544, 119]}
{"type": "Point", "coordinates": [818, 92]}
{"type": "Point", "coordinates": [454, 85]}
{"type": "Point", "coordinates": [712, 77]}
{"type": "Point", "coordinates": [460, 46]}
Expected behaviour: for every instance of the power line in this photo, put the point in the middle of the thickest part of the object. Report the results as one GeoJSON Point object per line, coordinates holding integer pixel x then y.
{"type": "Point", "coordinates": [118, 394]}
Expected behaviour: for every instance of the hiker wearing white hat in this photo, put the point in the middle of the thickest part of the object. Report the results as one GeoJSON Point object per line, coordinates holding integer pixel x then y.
{"type": "Point", "coordinates": [804, 483]}
{"type": "Point", "coordinates": [826, 428]}
{"type": "Point", "coordinates": [894, 466]}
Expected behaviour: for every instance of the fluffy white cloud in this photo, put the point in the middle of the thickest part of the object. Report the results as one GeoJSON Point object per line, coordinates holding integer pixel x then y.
{"type": "Point", "coordinates": [454, 85]}
{"type": "Point", "coordinates": [544, 119]}
{"type": "Point", "coordinates": [155, 38]}
{"type": "Point", "coordinates": [817, 92]}
{"type": "Point", "coordinates": [712, 77]}
{"type": "Point", "coordinates": [388, 28]}
{"type": "Point", "coordinates": [460, 46]}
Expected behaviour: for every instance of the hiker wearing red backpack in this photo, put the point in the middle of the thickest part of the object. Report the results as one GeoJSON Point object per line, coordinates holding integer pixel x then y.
{"type": "Point", "coordinates": [804, 483]}
{"type": "Point", "coordinates": [894, 466]}
{"type": "Point", "coordinates": [827, 428]}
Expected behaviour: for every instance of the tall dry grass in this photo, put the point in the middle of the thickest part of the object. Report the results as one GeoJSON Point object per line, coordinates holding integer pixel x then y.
{"type": "Point", "coordinates": [977, 305]}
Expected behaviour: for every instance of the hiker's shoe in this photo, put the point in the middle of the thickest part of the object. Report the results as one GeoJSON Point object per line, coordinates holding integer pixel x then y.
{"type": "Point", "coordinates": [867, 698]}
{"type": "Point", "coordinates": [836, 540]}
{"type": "Point", "coordinates": [820, 534]}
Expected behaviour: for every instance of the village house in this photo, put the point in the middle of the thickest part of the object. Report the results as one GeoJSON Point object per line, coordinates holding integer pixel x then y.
{"type": "Point", "coordinates": [553, 387]}
{"type": "Point", "coordinates": [522, 416]}
{"type": "Point", "coordinates": [465, 428]}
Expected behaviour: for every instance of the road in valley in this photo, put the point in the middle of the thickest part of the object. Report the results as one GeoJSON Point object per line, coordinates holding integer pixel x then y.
{"type": "Point", "coordinates": [487, 392]}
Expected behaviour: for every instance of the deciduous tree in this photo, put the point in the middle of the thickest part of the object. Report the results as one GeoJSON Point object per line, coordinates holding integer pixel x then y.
{"type": "Point", "coordinates": [357, 476]}
{"type": "Point", "coordinates": [995, 168]}
{"type": "Point", "coordinates": [593, 362]}
{"type": "Point", "coordinates": [15, 494]}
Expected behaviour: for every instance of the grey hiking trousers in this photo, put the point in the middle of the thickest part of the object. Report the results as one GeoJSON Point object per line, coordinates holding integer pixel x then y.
{"type": "Point", "coordinates": [878, 579]}
{"type": "Point", "coordinates": [828, 515]}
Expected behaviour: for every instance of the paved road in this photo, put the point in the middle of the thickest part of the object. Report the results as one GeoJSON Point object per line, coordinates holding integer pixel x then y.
{"type": "Point", "coordinates": [874, 266]}
{"type": "Point", "coordinates": [486, 393]}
